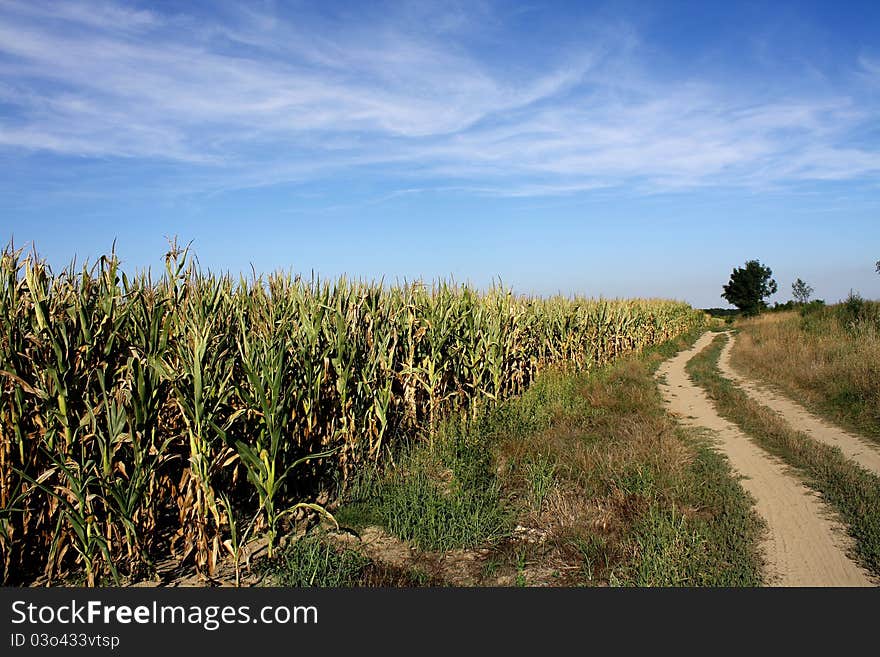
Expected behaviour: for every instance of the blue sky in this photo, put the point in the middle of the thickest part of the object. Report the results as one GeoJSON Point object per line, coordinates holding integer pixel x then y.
{"type": "Point", "coordinates": [613, 149]}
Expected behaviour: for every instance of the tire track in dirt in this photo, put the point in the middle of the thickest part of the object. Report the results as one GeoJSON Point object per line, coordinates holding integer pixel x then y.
{"type": "Point", "coordinates": [853, 447]}
{"type": "Point", "coordinates": [804, 546]}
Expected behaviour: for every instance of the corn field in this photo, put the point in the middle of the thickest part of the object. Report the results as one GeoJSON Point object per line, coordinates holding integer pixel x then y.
{"type": "Point", "coordinates": [151, 419]}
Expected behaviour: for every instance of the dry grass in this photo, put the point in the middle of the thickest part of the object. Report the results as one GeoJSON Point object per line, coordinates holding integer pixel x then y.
{"type": "Point", "coordinates": [621, 465]}
{"type": "Point", "coordinates": [848, 488]}
{"type": "Point", "coordinates": [827, 364]}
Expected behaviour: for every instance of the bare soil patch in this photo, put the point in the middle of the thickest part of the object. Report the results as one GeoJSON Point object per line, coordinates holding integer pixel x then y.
{"type": "Point", "coordinates": [804, 545]}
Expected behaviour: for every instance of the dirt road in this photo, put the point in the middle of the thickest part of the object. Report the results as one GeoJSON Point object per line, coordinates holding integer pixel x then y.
{"type": "Point", "coordinates": [804, 546]}
{"type": "Point", "coordinates": [853, 447]}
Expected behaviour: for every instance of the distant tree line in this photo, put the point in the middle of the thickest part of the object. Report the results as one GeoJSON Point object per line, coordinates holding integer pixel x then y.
{"type": "Point", "coordinates": [750, 285]}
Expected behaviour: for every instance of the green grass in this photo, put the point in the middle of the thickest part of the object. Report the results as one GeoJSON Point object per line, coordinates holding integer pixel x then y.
{"type": "Point", "coordinates": [541, 475]}
{"type": "Point", "coordinates": [313, 562]}
{"type": "Point", "coordinates": [668, 547]}
{"type": "Point", "coordinates": [851, 490]}
{"type": "Point", "coordinates": [717, 547]}
{"type": "Point", "coordinates": [414, 507]}
{"type": "Point", "coordinates": [441, 496]}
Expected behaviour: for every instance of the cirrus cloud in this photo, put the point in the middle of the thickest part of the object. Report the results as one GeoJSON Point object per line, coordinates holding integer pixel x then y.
{"type": "Point", "coordinates": [246, 98]}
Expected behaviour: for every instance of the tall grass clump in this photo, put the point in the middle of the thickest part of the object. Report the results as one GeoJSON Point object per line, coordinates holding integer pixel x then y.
{"type": "Point", "coordinates": [827, 357]}
{"type": "Point", "coordinates": [143, 417]}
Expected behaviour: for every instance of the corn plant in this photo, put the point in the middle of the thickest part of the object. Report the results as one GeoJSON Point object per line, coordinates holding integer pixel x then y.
{"type": "Point", "coordinates": [201, 374]}
{"type": "Point", "coordinates": [263, 352]}
{"type": "Point", "coordinates": [130, 407]}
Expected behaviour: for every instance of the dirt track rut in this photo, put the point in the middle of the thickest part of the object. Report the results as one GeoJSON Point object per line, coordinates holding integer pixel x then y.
{"type": "Point", "coordinates": [853, 447]}
{"type": "Point", "coordinates": [805, 545]}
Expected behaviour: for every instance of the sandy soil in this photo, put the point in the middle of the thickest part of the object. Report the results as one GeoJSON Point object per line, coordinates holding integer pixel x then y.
{"type": "Point", "coordinates": [805, 545]}
{"type": "Point", "coordinates": [853, 447]}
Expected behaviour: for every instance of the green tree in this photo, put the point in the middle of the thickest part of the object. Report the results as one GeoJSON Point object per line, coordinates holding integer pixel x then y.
{"type": "Point", "coordinates": [749, 286]}
{"type": "Point", "coordinates": [801, 291]}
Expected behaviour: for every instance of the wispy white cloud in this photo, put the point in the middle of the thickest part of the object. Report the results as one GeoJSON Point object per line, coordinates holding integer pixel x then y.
{"type": "Point", "coordinates": [251, 98]}
{"type": "Point", "coordinates": [101, 15]}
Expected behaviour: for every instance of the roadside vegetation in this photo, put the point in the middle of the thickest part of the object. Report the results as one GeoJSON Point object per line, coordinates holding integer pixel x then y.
{"type": "Point", "coordinates": [828, 358]}
{"type": "Point", "coordinates": [851, 490]}
{"type": "Point", "coordinates": [176, 418]}
{"type": "Point", "coordinates": [582, 480]}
